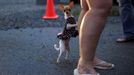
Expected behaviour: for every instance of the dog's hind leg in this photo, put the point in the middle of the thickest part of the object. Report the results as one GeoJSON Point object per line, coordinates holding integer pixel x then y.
{"type": "Point", "coordinates": [67, 55]}
{"type": "Point", "coordinates": [67, 49]}
{"type": "Point", "coordinates": [58, 59]}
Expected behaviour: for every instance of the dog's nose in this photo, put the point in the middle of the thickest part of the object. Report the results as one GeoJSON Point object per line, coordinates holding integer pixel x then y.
{"type": "Point", "coordinates": [67, 12]}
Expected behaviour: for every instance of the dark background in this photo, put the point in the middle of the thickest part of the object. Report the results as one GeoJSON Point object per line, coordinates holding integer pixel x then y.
{"type": "Point", "coordinates": [42, 2]}
{"type": "Point", "coordinates": [114, 1]}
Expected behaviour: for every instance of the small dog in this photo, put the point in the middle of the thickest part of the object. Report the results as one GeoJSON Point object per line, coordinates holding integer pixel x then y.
{"type": "Point", "coordinates": [70, 27]}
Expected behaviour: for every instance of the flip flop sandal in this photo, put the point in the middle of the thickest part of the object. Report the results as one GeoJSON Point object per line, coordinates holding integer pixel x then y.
{"type": "Point", "coordinates": [100, 66]}
{"type": "Point", "coordinates": [77, 73]}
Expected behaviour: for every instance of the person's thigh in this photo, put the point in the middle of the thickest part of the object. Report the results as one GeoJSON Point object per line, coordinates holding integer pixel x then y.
{"type": "Point", "coordinates": [99, 4]}
{"type": "Point", "coordinates": [84, 4]}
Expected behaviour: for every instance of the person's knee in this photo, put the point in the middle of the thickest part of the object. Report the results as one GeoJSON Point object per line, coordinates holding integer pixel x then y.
{"type": "Point", "coordinates": [85, 9]}
{"type": "Point", "coordinates": [103, 9]}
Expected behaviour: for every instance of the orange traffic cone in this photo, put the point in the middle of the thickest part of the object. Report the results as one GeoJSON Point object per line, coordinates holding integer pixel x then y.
{"type": "Point", "coordinates": [50, 11]}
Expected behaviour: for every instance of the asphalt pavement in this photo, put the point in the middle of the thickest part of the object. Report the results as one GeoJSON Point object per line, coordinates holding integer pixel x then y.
{"type": "Point", "coordinates": [26, 43]}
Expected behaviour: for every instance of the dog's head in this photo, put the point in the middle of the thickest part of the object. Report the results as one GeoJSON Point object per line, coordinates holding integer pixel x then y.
{"type": "Point", "coordinates": [66, 9]}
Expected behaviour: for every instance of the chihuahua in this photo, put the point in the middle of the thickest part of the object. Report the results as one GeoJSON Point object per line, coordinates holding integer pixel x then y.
{"type": "Point", "coordinates": [68, 31]}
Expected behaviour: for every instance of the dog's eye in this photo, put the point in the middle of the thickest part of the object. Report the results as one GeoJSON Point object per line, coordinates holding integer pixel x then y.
{"type": "Point", "coordinates": [69, 10]}
{"type": "Point", "coordinates": [64, 10]}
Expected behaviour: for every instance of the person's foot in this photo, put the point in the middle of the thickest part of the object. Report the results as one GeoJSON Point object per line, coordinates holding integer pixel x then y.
{"type": "Point", "coordinates": [100, 64]}
{"type": "Point", "coordinates": [85, 68]}
{"type": "Point", "coordinates": [76, 72]}
{"type": "Point", "coordinates": [125, 39]}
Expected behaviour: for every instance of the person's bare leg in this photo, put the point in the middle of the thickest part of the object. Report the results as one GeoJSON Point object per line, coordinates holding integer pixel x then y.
{"type": "Point", "coordinates": [84, 9]}
{"type": "Point", "coordinates": [91, 27]}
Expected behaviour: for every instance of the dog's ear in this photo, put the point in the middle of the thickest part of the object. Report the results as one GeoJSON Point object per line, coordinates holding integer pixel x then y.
{"type": "Point", "coordinates": [61, 7]}
{"type": "Point", "coordinates": [71, 4]}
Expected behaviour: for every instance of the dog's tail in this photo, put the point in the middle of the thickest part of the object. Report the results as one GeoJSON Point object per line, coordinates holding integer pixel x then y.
{"type": "Point", "coordinates": [55, 46]}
